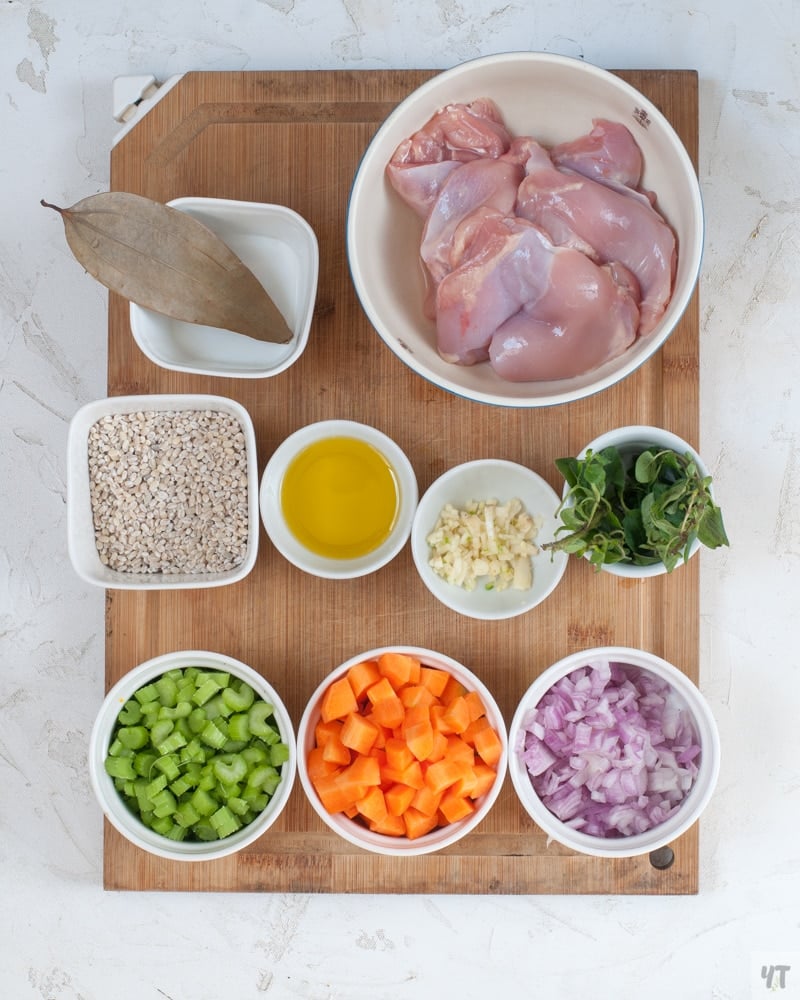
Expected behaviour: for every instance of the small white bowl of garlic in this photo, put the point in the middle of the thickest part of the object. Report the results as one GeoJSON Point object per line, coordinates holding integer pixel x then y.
{"type": "Point", "coordinates": [477, 539]}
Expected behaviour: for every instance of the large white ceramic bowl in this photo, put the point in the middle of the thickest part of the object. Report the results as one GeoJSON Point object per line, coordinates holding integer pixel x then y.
{"type": "Point", "coordinates": [354, 831]}
{"type": "Point", "coordinates": [555, 98]}
{"type": "Point", "coordinates": [686, 695]}
{"type": "Point", "coordinates": [631, 441]}
{"type": "Point", "coordinates": [484, 479]}
{"type": "Point", "coordinates": [272, 509]}
{"type": "Point", "coordinates": [281, 250]}
{"type": "Point", "coordinates": [110, 800]}
{"type": "Point", "coordinates": [81, 541]}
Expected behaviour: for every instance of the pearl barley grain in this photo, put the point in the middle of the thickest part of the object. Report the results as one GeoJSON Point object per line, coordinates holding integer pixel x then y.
{"type": "Point", "coordinates": [169, 491]}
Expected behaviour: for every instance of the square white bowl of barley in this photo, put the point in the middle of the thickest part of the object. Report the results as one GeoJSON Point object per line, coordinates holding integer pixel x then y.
{"type": "Point", "coordinates": [162, 492]}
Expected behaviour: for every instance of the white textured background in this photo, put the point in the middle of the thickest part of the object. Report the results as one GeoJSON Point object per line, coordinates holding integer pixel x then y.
{"type": "Point", "coordinates": [61, 936]}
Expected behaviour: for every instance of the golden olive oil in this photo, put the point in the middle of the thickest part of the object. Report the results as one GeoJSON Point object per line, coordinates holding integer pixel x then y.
{"type": "Point", "coordinates": [340, 498]}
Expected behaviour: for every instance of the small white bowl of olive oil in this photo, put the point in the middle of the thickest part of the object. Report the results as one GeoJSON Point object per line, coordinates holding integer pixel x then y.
{"type": "Point", "coordinates": [338, 499]}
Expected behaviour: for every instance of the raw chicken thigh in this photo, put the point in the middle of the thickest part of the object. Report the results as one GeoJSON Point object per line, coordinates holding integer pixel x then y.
{"type": "Point", "coordinates": [536, 310]}
{"type": "Point", "coordinates": [546, 264]}
{"type": "Point", "coordinates": [608, 153]}
{"type": "Point", "coordinates": [455, 135]}
{"type": "Point", "coordinates": [604, 223]}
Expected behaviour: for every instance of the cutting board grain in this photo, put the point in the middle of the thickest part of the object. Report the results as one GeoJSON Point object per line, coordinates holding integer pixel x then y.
{"type": "Point", "coordinates": [295, 138]}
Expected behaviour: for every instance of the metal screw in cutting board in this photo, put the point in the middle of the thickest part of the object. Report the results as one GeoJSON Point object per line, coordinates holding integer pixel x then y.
{"type": "Point", "coordinates": [662, 858]}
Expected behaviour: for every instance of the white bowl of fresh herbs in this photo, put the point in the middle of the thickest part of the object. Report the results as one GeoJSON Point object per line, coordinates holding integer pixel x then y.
{"type": "Point", "coordinates": [638, 501]}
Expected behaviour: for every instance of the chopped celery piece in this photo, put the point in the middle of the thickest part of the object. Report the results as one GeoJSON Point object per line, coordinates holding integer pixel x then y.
{"type": "Point", "coordinates": [213, 735]}
{"type": "Point", "coordinates": [257, 718]}
{"type": "Point", "coordinates": [186, 815]}
{"type": "Point", "coordinates": [131, 713]}
{"type": "Point", "coordinates": [173, 742]}
{"type": "Point", "coordinates": [147, 693]}
{"type": "Point", "coordinates": [207, 690]}
{"type": "Point", "coordinates": [203, 803]}
{"type": "Point", "coordinates": [278, 754]}
{"type": "Point", "coordinates": [168, 766]}
{"type": "Point", "coordinates": [255, 754]}
{"type": "Point", "coordinates": [158, 784]}
{"type": "Point", "coordinates": [239, 699]}
{"type": "Point", "coordinates": [161, 731]}
{"type": "Point", "coordinates": [239, 727]}
{"type": "Point", "coordinates": [164, 803]}
{"type": "Point", "coordinates": [133, 737]}
{"type": "Point", "coordinates": [237, 805]}
{"type": "Point", "coordinates": [167, 690]}
{"type": "Point", "coordinates": [120, 767]}
{"type": "Point", "coordinates": [230, 768]}
{"type": "Point", "coordinates": [195, 754]}
{"type": "Point", "coordinates": [143, 763]}
{"type": "Point", "coordinates": [197, 719]}
{"type": "Point", "coordinates": [224, 821]}
{"type": "Point", "coordinates": [180, 710]}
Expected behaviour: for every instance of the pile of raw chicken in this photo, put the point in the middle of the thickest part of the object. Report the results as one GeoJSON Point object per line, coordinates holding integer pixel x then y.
{"type": "Point", "coordinates": [545, 262]}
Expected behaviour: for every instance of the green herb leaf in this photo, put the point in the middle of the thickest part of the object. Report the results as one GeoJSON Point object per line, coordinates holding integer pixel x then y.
{"type": "Point", "coordinates": [644, 511]}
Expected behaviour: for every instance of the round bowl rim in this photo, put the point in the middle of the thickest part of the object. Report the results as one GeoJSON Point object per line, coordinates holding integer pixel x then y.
{"type": "Point", "coordinates": [124, 821]}
{"type": "Point", "coordinates": [294, 552]}
{"type": "Point", "coordinates": [383, 844]}
{"type": "Point", "coordinates": [693, 805]}
{"type": "Point", "coordinates": [639, 434]}
{"type": "Point", "coordinates": [442, 594]}
{"type": "Point", "coordinates": [678, 303]}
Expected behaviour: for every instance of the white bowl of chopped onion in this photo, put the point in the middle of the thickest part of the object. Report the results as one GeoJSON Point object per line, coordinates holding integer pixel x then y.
{"type": "Point", "coordinates": [614, 752]}
{"type": "Point", "coordinates": [555, 99]}
{"type": "Point", "coordinates": [477, 536]}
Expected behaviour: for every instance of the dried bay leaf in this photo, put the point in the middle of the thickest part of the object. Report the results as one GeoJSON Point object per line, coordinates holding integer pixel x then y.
{"type": "Point", "coordinates": [164, 260]}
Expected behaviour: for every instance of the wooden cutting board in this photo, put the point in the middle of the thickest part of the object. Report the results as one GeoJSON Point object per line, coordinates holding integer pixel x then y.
{"type": "Point", "coordinates": [295, 138]}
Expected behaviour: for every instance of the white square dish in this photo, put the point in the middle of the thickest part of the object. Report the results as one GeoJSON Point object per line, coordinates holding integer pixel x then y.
{"type": "Point", "coordinates": [82, 544]}
{"type": "Point", "coordinates": [281, 250]}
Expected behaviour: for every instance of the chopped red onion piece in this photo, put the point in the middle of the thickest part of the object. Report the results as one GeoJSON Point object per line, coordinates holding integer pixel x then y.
{"type": "Point", "coordinates": [610, 749]}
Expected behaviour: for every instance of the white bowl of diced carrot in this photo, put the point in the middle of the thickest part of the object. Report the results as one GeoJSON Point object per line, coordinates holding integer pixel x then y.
{"type": "Point", "coordinates": [402, 751]}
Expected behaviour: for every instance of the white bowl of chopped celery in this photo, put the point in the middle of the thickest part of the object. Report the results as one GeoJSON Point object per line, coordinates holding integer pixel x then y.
{"type": "Point", "coordinates": [477, 537]}
{"type": "Point", "coordinates": [192, 755]}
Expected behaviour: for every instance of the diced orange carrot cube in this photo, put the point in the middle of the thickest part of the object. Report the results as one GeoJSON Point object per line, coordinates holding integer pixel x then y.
{"type": "Point", "coordinates": [418, 824]}
{"type": "Point", "coordinates": [335, 752]}
{"type": "Point", "coordinates": [458, 749]}
{"type": "Point", "coordinates": [399, 668]}
{"type": "Point", "coordinates": [434, 679]}
{"type": "Point", "coordinates": [439, 748]}
{"type": "Point", "coordinates": [444, 773]}
{"type": "Point", "coordinates": [485, 778]}
{"type": "Point", "coordinates": [316, 765]}
{"type": "Point", "coordinates": [363, 771]}
{"type": "Point", "coordinates": [397, 754]}
{"type": "Point", "coordinates": [475, 705]}
{"type": "Point", "coordinates": [468, 736]}
{"type": "Point", "coordinates": [362, 675]}
{"type": "Point", "coordinates": [338, 701]}
{"type": "Point", "coordinates": [416, 694]}
{"type": "Point", "coordinates": [388, 712]}
{"type": "Point", "coordinates": [455, 807]}
{"type": "Point", "coordinates": [488, 746]}
{"type": "Point", "coordinates": [373, 805]}
{"type": "Point", "coordinates": [453, 689]}
{"type": "Point", "coordinates": [389, 826]}
{"type": "Point", "coordinates": [425, 801]}
{"type": "Point", "coordinates": [398, 798]}
{"type": "Point", "coordinates": [358, 734]}
{"type": "Point", "coordinates": [457, 714]}
{"type": "Point", "coordinates": [323, 731]}
{"type": "Point", "coordinates": [336, 795]}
